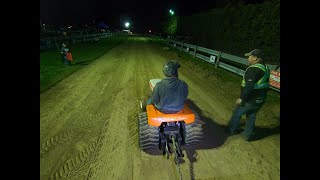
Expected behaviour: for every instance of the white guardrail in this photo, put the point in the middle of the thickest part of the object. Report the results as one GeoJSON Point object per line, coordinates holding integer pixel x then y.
{"type": "Point", "coordinates": [46, 43]}
{"type": "Point", "coordinates": [216, 56]}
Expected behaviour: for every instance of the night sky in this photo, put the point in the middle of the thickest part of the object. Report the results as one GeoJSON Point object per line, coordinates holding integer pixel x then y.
{"type": "Point", "coordinates": [142, 13]}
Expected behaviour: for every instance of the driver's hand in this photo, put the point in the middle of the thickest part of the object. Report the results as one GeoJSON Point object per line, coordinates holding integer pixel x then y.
{"type": "Point", "coordinates": [239, 101]}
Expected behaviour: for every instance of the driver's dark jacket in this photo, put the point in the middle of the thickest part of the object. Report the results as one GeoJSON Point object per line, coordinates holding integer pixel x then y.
{"type": "Point", "coordinates": [169, 95]}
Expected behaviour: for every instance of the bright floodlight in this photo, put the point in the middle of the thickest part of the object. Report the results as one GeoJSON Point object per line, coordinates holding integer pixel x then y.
{"type": "Point", "coordinates": [127, 24]}
{"type": "Point", "coordinates": [171, 12]}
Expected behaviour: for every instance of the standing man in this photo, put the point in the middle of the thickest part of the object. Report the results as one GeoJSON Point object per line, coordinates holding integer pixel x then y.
{"type": "Point", "coordinates": [254, 88]}
{"type": "Point", "coordinates": [64, 50]}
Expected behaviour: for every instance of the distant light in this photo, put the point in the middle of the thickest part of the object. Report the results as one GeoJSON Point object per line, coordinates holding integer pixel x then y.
{"type": "Point", "coordinates": [43, 24]}
{"type": "Point", "coordinates": [70, 27]}
{"type": "Point", "coordinates": [149, 31]}
{"type": "Point", "coordinates": [127, 24]}
{"type": "Point", "coordinates": [171, 12]}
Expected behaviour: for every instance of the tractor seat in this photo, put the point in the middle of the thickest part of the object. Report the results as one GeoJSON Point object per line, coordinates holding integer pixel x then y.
{"type": "Point", "coordinates": [155, 117]}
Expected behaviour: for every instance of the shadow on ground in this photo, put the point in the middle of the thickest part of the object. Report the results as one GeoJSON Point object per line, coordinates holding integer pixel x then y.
{"type": "Point", "coordinates": [82, 63]}
{"type": "Point", "coordinates": [214, 136]}
{"type": "Point", "coordinates": [262, 132]}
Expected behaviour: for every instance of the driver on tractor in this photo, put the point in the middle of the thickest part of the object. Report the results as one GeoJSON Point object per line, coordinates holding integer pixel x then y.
{"type": "Point", "coordinates": [169, 94]}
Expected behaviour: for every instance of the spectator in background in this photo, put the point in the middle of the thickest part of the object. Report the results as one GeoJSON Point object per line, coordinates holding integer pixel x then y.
{"type": "Point", "coordinates": [69, 57]}
{"type": "Point", "coordinates": [64, 50]}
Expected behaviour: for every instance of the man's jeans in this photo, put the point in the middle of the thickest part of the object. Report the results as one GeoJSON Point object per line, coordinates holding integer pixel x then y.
{"type": "Point", "coordinates": [250, 110]}
{"type": "Point", "coordinates": [150, 102]}
{"type": "Point", "coordinates": [65, 61]}
{"type": "Point", "coordinates": [165, 112]}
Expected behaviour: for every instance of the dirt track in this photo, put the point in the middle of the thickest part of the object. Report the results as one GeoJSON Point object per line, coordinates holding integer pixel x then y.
{"type": "Point", "coordinates": [88, 126]}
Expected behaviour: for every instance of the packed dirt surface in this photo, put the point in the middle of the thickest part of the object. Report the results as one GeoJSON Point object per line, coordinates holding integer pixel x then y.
{"type": "Point", "coordinates": [89, 129]}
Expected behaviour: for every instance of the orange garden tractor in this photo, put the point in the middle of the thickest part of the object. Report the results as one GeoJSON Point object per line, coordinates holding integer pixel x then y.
{"type": "Point", "coordinates": [158, 130]}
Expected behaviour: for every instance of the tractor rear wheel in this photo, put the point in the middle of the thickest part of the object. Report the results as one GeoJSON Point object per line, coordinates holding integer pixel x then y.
{"type": "Point", "coordinates": [192, 133]}
{"type": "Point", "coordinates": [148, 135]}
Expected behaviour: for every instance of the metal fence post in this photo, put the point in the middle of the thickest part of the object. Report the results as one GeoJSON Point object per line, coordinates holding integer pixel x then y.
{"type": "Point", "coordinates": [182, 46]}
{"type": "Point", "coordinates": [195, 51]}
{"type": "Point", "coordinates": [218, 60]}
{"type": "Point", "coordinates": [48, 44]}
{"type": "Point", "coordinates": [56, 43]}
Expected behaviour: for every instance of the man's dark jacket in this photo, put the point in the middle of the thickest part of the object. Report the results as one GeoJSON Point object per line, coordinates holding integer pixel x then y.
{"type": "Point", "coordinates": [248, 93]}
{"type": "Point", "coordinates": [169, 95]}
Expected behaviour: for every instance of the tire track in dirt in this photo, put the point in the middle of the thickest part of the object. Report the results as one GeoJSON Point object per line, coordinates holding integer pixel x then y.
{"type": "Point", "coordinates": [114, 146]}
{"type": "Point", "coordinates": [53, 112]}
{"type": "Point", "coordinates": [72, 164]}
{"type": "Point", "coordinates": [115, 142]}
{"type": "Point", "coordinates": [113, 88]}
{"type": "Point", "coordinates": [92, 108]}
{"type": "Point", "coordinates": [78, 127]}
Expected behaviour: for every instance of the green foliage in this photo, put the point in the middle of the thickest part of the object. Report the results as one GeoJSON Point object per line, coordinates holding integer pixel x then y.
{"type": "Point", "coordinates": [171, 26]}
{"type": "Point", "coordinates": [236, 29]}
